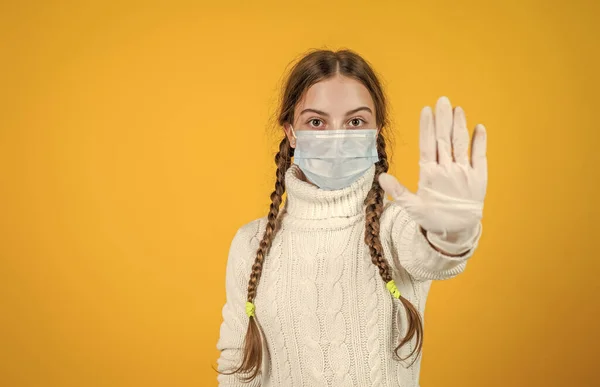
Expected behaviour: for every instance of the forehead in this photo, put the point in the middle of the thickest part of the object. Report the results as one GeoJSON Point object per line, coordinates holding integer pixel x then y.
{"type": "Point", "coordinates": [336, 95]}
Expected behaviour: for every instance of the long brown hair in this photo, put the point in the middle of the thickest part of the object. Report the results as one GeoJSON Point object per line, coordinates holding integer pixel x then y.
{"type": "Point", "coordinates": [314, 67]}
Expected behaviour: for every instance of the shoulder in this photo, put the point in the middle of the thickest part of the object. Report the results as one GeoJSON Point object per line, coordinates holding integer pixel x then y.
{"type": "Point", "coordinates": [241, 256]}
{"type": "Point", "coordinates": [392, 213]}
{"type": "Point", "coordinates": [250, 231]}
{"type": "Point", "coordinates": [245, 242]}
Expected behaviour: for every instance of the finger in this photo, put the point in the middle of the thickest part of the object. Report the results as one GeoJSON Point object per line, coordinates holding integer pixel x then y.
{"type": "Point", "coordinates": [397, 191]}
{"type": "Point", "coordinates": [427, 137]}
{"type": "Point", "coordinates": [479, 148]}
{"type": "Point", "coordinates": [443, 129]}
{"type": "Point", "coordinates": [460, 137]}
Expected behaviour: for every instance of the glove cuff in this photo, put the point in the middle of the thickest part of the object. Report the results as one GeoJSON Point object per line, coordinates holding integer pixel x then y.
{"type": "Point", "coordinates": [456, 247]}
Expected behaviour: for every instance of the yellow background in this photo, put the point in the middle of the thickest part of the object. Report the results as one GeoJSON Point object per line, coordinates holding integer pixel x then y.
{"type": "Point", "coordinates": [136, 137]}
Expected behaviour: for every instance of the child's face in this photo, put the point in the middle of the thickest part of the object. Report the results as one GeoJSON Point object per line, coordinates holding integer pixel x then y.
{"type": "Point", "coordinates": [335, 103]}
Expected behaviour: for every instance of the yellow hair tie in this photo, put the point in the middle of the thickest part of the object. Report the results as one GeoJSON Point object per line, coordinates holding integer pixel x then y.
{"type": "Point", "coordinates": [391, 286]}
{"type": "Point", "coordinates": [249, 309]}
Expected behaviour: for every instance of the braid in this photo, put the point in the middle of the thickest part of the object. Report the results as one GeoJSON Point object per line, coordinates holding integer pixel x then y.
{"type": "Point", "coordinates": [374, 208]}
{"type": "Point", "coordinates": [283, 162]}
{"type": "Point", "coordinates": [253, 350]}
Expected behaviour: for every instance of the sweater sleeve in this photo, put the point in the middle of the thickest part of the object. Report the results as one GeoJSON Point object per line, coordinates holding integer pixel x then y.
{"type": "Point", "coordinates": [235, 321]}
{"type": "Point", "coordinates": [414, 253]}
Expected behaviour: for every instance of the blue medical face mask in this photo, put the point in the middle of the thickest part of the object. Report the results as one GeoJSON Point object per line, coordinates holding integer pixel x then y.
{"type": "Point", "coordinates": [334, 159]}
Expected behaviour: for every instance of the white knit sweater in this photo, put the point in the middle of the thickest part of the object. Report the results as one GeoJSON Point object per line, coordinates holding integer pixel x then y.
{"type": "Point", "coordinates": [325, 312]}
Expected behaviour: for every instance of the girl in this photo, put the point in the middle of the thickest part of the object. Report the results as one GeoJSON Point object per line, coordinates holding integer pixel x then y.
{"type": "Point", "coordinates": [344, 273]}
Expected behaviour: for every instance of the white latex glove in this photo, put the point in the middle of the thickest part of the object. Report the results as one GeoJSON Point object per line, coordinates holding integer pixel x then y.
{"type": "Point", "coordinates": [449, 200]}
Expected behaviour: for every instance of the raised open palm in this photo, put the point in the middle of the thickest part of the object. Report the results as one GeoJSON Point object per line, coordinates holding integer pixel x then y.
{"type": "Point", "coordinates": [452, 185]}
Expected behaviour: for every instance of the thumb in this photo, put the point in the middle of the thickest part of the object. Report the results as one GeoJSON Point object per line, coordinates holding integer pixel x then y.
{"type": "Point", "coordinates": [397, 191]}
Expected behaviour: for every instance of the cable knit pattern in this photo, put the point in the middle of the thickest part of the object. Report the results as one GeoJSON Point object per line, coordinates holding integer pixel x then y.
{"type": "Point", "coordinates": [373, 339]}
{"type": "Point", "coordinates": [333, 296]}
{"type": "Point", "coordinates": [273, 284]}
{"type": "Point", "coordinates": [308, 322]}
{"type": "Point", "coordinates": [326, 315]}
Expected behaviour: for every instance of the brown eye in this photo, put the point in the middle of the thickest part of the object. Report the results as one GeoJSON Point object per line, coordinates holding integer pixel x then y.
{"type": "Point", "coordinates": [315, 122]}
{"type": "Point", "coordinates": [356, 122]}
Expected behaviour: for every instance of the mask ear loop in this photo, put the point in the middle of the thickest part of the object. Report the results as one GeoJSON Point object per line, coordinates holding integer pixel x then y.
{"type": "Point", "coordinates": [293, 142]}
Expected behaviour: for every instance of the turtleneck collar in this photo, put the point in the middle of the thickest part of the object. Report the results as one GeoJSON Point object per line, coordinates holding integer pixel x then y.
{"type": "Point", "coordinates": [306, 201]}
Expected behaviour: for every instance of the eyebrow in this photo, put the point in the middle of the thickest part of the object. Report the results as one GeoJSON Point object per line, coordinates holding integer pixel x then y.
{"type": "Point", "coordinates": [327, 115]}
